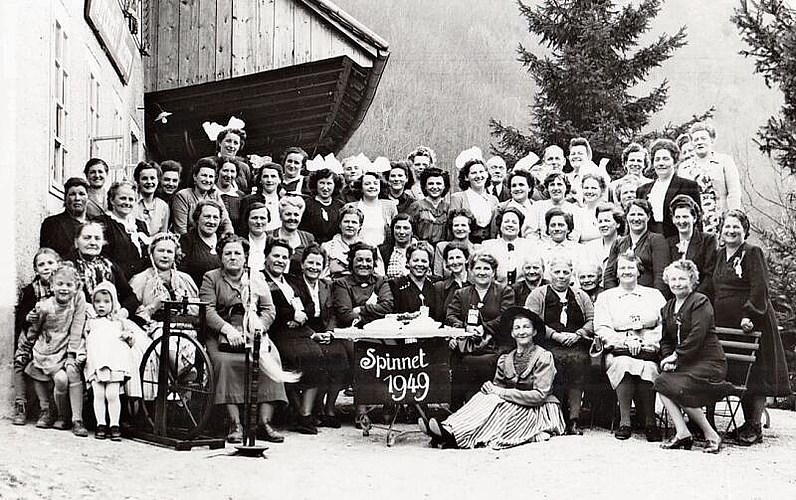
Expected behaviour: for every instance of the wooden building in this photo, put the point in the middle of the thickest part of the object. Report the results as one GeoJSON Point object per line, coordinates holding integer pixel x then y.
{"type": "Point", "coordinates": [298, 72]}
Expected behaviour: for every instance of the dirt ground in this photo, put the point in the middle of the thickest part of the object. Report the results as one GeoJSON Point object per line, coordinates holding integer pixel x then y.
{"type": "Point", "coordinates": [341, 463]}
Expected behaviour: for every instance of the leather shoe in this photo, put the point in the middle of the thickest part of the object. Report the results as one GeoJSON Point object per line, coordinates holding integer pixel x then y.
{"type": "Point", "coordinates": [753, 434]}
{"type": "Point", "coordinates": [235, 434]}
{"type": "Point", "coordinates": [331, 421]}
{"type": "Point", "coordinates": [712, 446]}
{"type": "Point", "coordinates": [653, 434]}
{"type": "Point", "coordinates": [573, 429]}
{"type": "Point", "coordinates": [679, 443]}
{"type": "Point", "coordinates": [305, 425]}
{"type": "Point", "coordinates": [271, 435]}
{"type": "Point", "coordinates": [623, 432]}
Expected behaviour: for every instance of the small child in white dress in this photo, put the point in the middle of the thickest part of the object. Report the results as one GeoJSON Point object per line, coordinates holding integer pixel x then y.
{"type": "Point", "coordinates": [108, 342]}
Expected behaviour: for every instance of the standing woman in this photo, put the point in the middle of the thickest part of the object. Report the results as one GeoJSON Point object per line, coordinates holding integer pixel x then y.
{"type": "Point", "coordinates": [593, 188]}
{"type": "Point", "coordinates": [199, 244]}
{"type": "Point", "coordinates": [322, 213]}
{"type": "Point", "coordinates": [559, 225]}
{"type": "Point", "coordinates": [152, 210]}
{"type": "Point", "coordinates": [204, 188]}
{"type": "Point", "coordinates": [478, 308]}
{"type": "Point", "coordinates": [258, 220]}
{"type": "Point", "coordinates": [231, 194]}
{"type": "Point", "coordinates": [378, 213]}
{"type": "Point", "coordinates": [233, 293]}
{"type": "Point", "coordinates": [520, 184]}
{"type": "Point", "coordinates": [294, 161]}
{"type": "Point", "coordinates": [292, 336]}
{"type": "Point", "coordinates": [126, 237]}
{"type": "Point", "coordinates": [508, 247]}
{"type": "Point", "coordinates": [557, 186]}
{"type": "Point", "coordinates": [267, 194]}
{"type": "Point", "coordinates": [650, 248]}
{"type": "Point", "coordinates": [662, 190]}
{"type": "Point", "coordinates": [693, 364]}
{"type": "Point", "coordinates": [96, 172]}
{"type": "Point", "coordinates": [171, 171]}
{"type": "Point", "coordinates": [460, 226]}
{"type": "Point", "coordinates": [291, 209]}
{"type": "Point", "coordinates": [473, 197]}
{"type": "Point", "coordinates": [399, 183]}
{"type": "Point", "coordinates": [741, 299]}
{"type": "Point", "coordinates": [229, 142]}
{"type": "Point", "coordinates": [568, 315]}
{"type": "Point", "coordinates": [690, 243]}
{"type": "Point", "coordinates": [611, 224]}
{"type": "Point", "coordinates": [430, 213]}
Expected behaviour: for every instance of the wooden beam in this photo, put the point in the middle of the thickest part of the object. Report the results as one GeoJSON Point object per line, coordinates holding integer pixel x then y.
{"type": "Point", "coordinates": [243, 34]}
{"type": "Point", "coordinates": [168, 44]}
{"type": "Point", "coordinates": [339, 93]}
{"type": "Point", "coordinates": [302, 34]}
{"type": "Point", "coordinates": [188, 55]}
{"type": "Point", "coordinates": [223, 52]}
{"type": "Point", "coordinates": [206, 61]}
{"type": "Point", "coordinates": [264, 35]}
{"type": "Point", "coordinates": [283, 33]}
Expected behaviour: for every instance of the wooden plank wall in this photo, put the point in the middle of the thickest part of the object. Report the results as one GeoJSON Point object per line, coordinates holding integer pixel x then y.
{"type": "Point", "coordinates": [196, 41]}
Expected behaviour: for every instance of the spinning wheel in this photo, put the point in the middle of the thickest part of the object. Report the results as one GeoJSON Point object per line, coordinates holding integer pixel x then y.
{"type": "Point", "coordinates": [178, 381]}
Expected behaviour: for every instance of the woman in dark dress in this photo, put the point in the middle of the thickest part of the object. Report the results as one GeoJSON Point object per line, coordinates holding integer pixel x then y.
{"type": "Point", "coordinates": [322, 215]}
{"type": "Point", "coordinates": [693, 365]}
{"type": "Point", "coordinates": [430, 213]}
{"type": "Point", "coordinates": [569, 318]}
{"type": "Point", "coordinates": [199, 243]}
{"type": "Point", "coordinates": [696, 246]}
{"type": "Point", "coordinates": [650, 248]}
{"type": "Point", "coordinates": [478, 308]}
{"type": "Point", "coordinates": [741, 300]}
{"type": "Point", "coordinates": [126, 237]}
{"type": "Point", "coordinates": [415, 290]}
{"type": "Point", "coordinates": [455, 256]}
{"type": "Point", "coordinates": [293, 337]}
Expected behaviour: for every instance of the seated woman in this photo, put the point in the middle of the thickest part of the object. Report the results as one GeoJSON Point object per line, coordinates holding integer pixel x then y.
{"type": "Point", "coordinates": [393, 252]}
{"type": "Point", "coordinates": [693, 365]}
{"type": "Point", "coordinates": [628, 321]}
{"type": "Point", "coordinates": [699, 247]}
{"type": "Point", "coordinates": [517, 406]}
{"type": "Point", "coordinates": [413, 292]}
{"type": "Point", "coordinates": [650, 249]}
{"type": "Point", "coordinates": [338, 248]}
{"type": "Point", "coordinates": [322, 214]}
{"type": "Point", "coordinates": [508, 247]}
{"type": "Point", "coordinates": [430, 213]}
{"type": "Point", "coordinates": [316, 294]}
{"type": "Point", "coordinates": [474, 197]}
{"type": "Point", "coordinates": [460, 226]}
{"type": "Point", "coordinates": [126, 238]}
{"type": "Point", "coordinates": [291, 209]}
{"type": "Point", "coordinates": [293, 337]}
{"type": "Point", "coordinates": [568, 315]}
{"type": "Point", "coordinates": [477, 308]}
{"type": "Point", "coordinates": [162, 281]}
{"type": "Point", "coordinates": [233, 295]}
{"type": "Point", "coordinates": [532, 277]}
{"type": "Point", "coordinates": [589, 276]}
{"type": "Point", "coordinates": [455, 256]}
{"type": "Point", "coordinates": [199, 244]}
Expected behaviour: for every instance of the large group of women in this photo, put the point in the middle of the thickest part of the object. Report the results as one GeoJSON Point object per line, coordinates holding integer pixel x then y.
{"type": "Point", "coordinates": [539, 263]}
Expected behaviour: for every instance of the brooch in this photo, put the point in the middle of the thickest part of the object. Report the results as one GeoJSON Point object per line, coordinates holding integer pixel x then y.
{"type": "Point", "coordinates": [736, 264]}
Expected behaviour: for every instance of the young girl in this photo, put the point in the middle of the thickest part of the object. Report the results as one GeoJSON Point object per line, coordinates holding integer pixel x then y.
{"type": "Point", "coordinates": [57, 349]}
{"type": "Point", "coordinates": [108, 342]}
{"type": "Point", "coordinates": [44, 263]}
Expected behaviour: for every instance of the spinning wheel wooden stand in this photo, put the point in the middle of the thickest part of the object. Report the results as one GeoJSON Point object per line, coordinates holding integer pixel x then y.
{"type": "Point", "coordinates": [250, 448]}
{"type": "Point", "coordinates": [176, 369]}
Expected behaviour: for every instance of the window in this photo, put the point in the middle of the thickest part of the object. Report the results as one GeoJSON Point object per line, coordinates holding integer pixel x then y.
{"type": "Point", "coordinates": [58, 108]}
{"type": "Point", "coordinates": [93, 107]}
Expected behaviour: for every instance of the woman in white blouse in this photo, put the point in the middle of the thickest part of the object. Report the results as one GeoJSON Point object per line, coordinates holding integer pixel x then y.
{"type": "Point", "coordinates": [610, 223]}
{"type": "Point", "coordinates": [559, 224]}
{"type": "Point", "coordinates": [558, 187]}
{"type": "Point", "coordinates": [377, 212]}
{"type": "Point", "coordinates": [508, 248]}
{"type": "Point", "coordinates": [628, 321]}
{"type": "Point", "coordinates": [593, 189]}
{"type": "Point", "coordinates": [473, 197]}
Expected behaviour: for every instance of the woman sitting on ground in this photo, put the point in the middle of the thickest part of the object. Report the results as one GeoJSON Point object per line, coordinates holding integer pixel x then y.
{"type": "Point", "coordinates": [517, 406]}
{"type": "Point", "coordinates": [693, 365]}
{"type": "Point", "coordinates": [628, 321]}
{"type": "Point", "coordinates": [568, 315]}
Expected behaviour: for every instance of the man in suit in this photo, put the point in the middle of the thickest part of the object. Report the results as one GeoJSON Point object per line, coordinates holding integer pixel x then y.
{"type": "Point", "coordinates": [662, 190]}
{"type": "Point", "coordinates": [496, 166]}
{"type": "Point", "coordinates": [58, 231]}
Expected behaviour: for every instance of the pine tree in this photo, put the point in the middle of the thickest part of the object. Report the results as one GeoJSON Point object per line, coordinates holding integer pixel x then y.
{"type": "Point", "coordinates": [769, 28]}
{"type": "Point", "coordinates": [585, 80]}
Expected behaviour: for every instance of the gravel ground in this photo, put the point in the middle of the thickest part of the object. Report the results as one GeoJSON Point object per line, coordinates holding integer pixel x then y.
{"type": "Point", "coordinates": [43, 464]}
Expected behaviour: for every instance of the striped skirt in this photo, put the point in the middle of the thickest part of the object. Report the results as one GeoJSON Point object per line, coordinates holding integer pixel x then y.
{"type": "Point", "coordinates": [489, 420]}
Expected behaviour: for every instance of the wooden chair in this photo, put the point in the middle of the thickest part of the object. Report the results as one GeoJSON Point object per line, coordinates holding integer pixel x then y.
{"type": "Point", "coordinates": [741, 350]}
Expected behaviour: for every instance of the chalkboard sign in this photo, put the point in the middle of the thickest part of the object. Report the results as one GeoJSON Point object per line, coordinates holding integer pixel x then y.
{"type": "Point", "coordinates": [403, 374]}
